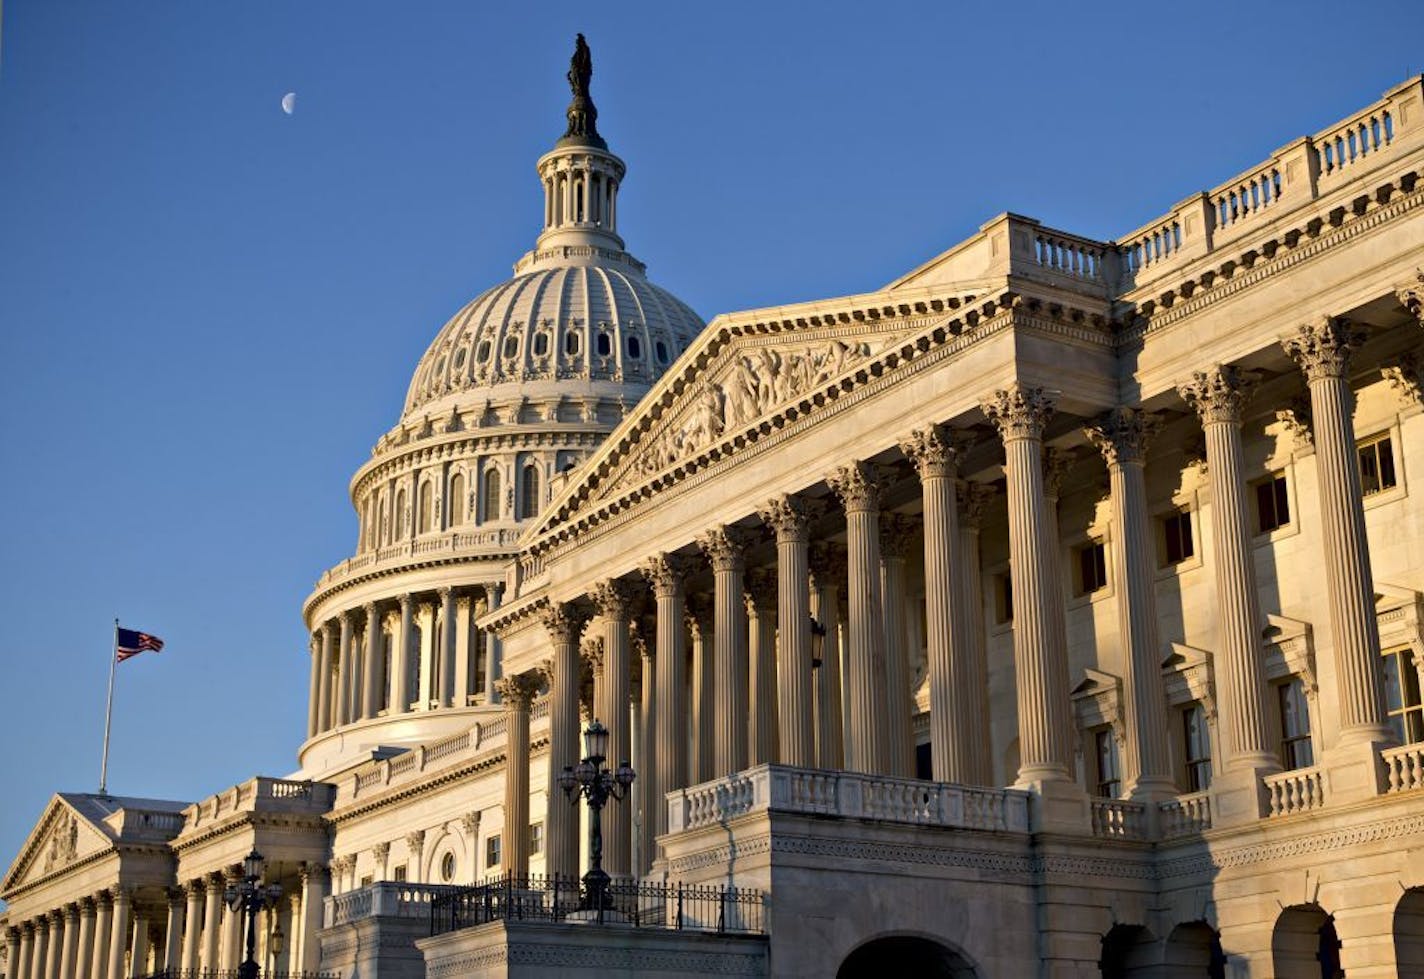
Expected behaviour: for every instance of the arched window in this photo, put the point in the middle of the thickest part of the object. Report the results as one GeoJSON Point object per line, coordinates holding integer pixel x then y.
{"type": "Point", "coordinates": [426, 508]}
{"type": "Point", "coordinates": [541, 344]}
{"type": "Point", "coordinates": [529, 492]}
{"type": "Point", "coordinates": [457, 499]}
{"type": "Point", "coordinates": [571, 343]}
{"type": "Point", "coordinates": [605, 345]}
{"type": "Point", "coordinates": [635, 349]}
{"type": "Point", "coordinates": [370, 523]}
{"type": "Point", "coordinates": [661, 350]}
{"type": "Point", "coordinates": [482, 353]}
{"type": "Point", "coordinates": [491, 507]}
{"type": "Point", "coordinates": [511, 346]}
{"type": "Point", "coordinates": [400, 515]}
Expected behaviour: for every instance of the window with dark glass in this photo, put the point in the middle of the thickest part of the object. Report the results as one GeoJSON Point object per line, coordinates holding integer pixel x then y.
{"type": "Point", "coordinates": [1177, 543]}
{"type": "Point", "coordinates": [571, 343]}
{"type": "Point", "coordinates": [1109, 781]}
{"type": "Point", "coordinates": [1272, 503]}
{"type": "Point", "coordinates": [635, 349]}
{"type": "Point", "coordinates": [1296, 749]}
{"type": "Point", "coordinates": [660, 351]}
{"type": "Point", "coordinates": [482, 352]}
{"type": "Point", "coordinates": [492, 506]}
{"type": "Point", "coordinates": [529, 492]}
{"type": "Point", "coordinates": [1092, 567]}
{"type": "Point", "coordinates": [1402, 695]}
{"type": "Point", "coordinates": [492, 851]}
{"type": "Point", "coordinates": [605, 345]}
{"type": "Point", "coordinates": [399, 873]}
{"type": "Point", "coordinates": [511, 346]}
{"type": "Point", "coordinates": [536, 839]}
{"type": "Point", "coordinates": [1196, 744]}
{"type": "Point", "coordinates": [447, 867]}
{"type": "Point", "coordinates": [1376, 465]}
{"type": "Point", "coordinates": [541, 344]}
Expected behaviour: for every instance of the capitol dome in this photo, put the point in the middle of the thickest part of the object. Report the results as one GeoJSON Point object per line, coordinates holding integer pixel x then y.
{"type": "Point", "coordinates": [516, 391]}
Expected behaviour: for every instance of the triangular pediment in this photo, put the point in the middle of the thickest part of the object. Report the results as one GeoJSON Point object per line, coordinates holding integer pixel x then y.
{"type": "Point", "coordinates": [63, 835]}
{"type": "Point", "coordinates": [748, 373]}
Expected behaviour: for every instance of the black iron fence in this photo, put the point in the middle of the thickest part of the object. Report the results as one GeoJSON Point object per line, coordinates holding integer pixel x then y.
{"type": "Point", "coordinates": [642, 904]}
{"type": "Point", "coordinates": [233, 974]}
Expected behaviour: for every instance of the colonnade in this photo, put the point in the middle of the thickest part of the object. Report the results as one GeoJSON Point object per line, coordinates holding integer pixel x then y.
{"type": "Point", "coordinates": [757, 691]}
{"type": "Point", "coordinates": [431, 657]}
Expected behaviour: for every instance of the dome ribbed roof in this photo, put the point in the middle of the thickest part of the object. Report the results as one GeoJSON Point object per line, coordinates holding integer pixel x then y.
{"type": "Point", "coordinates": [583, 326]}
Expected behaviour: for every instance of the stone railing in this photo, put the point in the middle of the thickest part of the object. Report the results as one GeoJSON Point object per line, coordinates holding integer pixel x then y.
{"type": "Point", "coordinates": [1405, 767]}
{"type": "Point", "coordinates": [261, 794]}
{"type": "Point", "coordinates": [1118, 820]}
{"type": "Point", "coordinates": [384, 899]}
{"type": "Point", "coordinates": [847, 795]}
{"type": "Point", "coordinates": [1299, 790]}
{"type": "Point", "coordinates": [1185, 815]}
{"type": "Point", "coordinates": [454, 543]}
{"type": "Point", "coordinates": [482, 736]}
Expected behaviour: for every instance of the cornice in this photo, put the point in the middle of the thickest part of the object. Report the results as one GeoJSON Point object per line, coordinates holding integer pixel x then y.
{"type": "Point", "coordinates": [497, 559]}
{"type": "Point", "coordinates": [243, 820]}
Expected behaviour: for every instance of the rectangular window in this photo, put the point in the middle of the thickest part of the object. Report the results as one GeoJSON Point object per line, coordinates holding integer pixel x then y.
{"type": "Point", "coordinates": [1272, 503]}
{"type": "Point", "coordinates": [536, 839]}
{"type": "Point", "coordinates": [1003, 598]}
{"type": "Point", "coordinates": [1109, 782]}
{"type": "Point", "coordinates": [1196, 745]}
{"type": "Point", "coordinates": [1376, 465]}
{"type": "Point", "coordinates": [398, 874]}
{"type": "Point", "coordinates": [492, 852]}
{"type": "Point", "coordinates": [1296, 750]}
{"type": "Point", "coordinates": [366, 880]}
{"type": "Point", "coordinates": [1177, 543]}
{"type": "Point", "coordinates": [1092, 567]}
{"type": "Point", "coordinates": [1402, 695]}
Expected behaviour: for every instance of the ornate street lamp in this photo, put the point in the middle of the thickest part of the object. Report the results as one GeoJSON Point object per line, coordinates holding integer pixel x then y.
{"type": "Point", "coordinates": [590, 780]}
{"type": "Point", "coordinates": [249, 896]}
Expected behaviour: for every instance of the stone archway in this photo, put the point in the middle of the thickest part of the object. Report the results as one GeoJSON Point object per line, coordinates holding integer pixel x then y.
{"type": "Point", "coordinates": [906, 955]}
{"type": "Point", "coordinates": [1304, 943]}
{"type": "Point", "coordinates": [1409, 933]}
{"type": "Point", "coordinates": [1129, 952]}
{"type": "Point", "coordinates": [1193, 951]}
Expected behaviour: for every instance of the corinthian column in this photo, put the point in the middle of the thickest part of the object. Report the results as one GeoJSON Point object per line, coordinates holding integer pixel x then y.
{"type": "Point", "coordinates": [723, 547]}
{"type": "Point", "coordinates": [103, 930]}
{"type": "Point", "coordinates": [119, 933]}
{"type": "Point", "coordinates": [613, 599]}
{"type": "Point", "coordinates": [868, 740]}
{"type": "Point", "coordinates": [1122, 435]}
{"type": "Point", "coordinates": [702, 758]}
{"type": "Point", "coordinates": [371, 673]}
{"type": "Point", "coordinates": [212, 929]}
{"type": "Point", "coordinates": [69, 952]}
{"type": "Point", "coordinates": [1040, 646]}
{"type": "Point", "coordinates": [325, 715]}
{"type": "Point", "coordinates": [314, 688]}
{"type": "Point", "coordinates": [1218, 396]}
{"type": "Point", "coordinates": [895, 534]}
{"type": "Point", "coordinates": [761, 654]}
{"type": "Point", "coordinates": [54, 944]}
{"type": "Point", "coordinates": [193, 924]}
{"type": "Point", "coordinates": [400, 657]}
{"type": "Point", "coordinates": [85, 953]}
{"type": "Point", "coordinates": [517, 695]}
{"type": "Point", "coordinates": [448, 630]}
{"type": "Point", "coordinates": [827, 571]}
{"type": "Point", "coordinates": [12, 951]}
{"type": "Point", "coordinates": [343, 714]}
{"type": "Point", "coordinates": [936, 458]}
{"type": "Point", "coordinates": [666, 574]}
{"type": "Point", "coordinates": [565, 626]}
{"type": "Point", "coordinates": [786, 515]}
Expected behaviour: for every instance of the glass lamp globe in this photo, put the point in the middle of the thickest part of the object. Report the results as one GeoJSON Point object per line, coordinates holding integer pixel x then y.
{"type": "Point", "coordinates": [595, 740]}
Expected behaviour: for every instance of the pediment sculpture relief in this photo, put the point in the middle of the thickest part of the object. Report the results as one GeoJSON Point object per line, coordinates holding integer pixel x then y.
{"type": "Point", "coordinates": [63, 842]}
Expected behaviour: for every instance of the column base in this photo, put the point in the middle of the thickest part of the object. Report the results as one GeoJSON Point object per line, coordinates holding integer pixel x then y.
{"type": "Point", "coordinates": [1239, 796]}
{"type": "Point", "coordinates": [1153, 789]}
{"type": "Point", "coordinates": [1057, 806]}
{"type": "Point", "coordinates": [1355, 771]}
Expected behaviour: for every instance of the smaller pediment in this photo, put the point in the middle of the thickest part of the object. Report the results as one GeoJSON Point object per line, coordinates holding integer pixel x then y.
{"type": "Point", "coordinates": [66, 833]}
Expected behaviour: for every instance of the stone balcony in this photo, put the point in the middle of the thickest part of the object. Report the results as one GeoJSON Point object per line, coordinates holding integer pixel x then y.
{"type": "Point", "coordinates": [423, 551]}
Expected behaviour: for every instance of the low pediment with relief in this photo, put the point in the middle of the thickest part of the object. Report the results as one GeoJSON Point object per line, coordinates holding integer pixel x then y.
{"type": "Point", "coordinates": [62, 837]}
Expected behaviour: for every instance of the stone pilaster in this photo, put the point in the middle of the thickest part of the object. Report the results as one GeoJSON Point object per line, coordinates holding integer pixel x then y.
{"type": "Point", "coordinates": [613, 600]}
{"type": "Point", "coordinates": [827, 566]}
{"type": "Point", "coordinates": [517, 695]}
{"type": "Point", "coordinates": [667, 575]}
{"type": "Point", "coordinates": [1219, 397]}
{"type": "Point", "coordinates": [868, 739]}
{"type": "Point", "coordinates": [702, 757]}
{"type": "Point", "coordinates": [724, 548]}
{"type": "Point", "coordinates": [1122, 436]}
{"type": "Point", "coordinates": [564, 625]}
{"type": "Point", "coordinates": [374, 665]}
{"type": "Point", "coordinates": [400, 657]}
{"type": "Point", "coordinates": [935, 457]}
{"type": "Point", "coordinates": [1323, 351]}
{"type": "Point", "coordinates": [787, 516]}
{"type": "Point", "coordinates": [1040, 646]}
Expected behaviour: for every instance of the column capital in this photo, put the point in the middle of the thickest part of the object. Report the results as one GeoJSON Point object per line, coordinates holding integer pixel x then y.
{"type": "Point", "coordinates": [71, 912]}
{"type": "Point", "coordinates": [725, 547]}
{"type": "Point", "coordinates": [1411, 296]}
{"type": "Point", "coordinates": [1056, 463]}
{"type": "Point", "coordinates": [1019, 412]}
{"type": "Point", "coordinates": [1218, 394]}
{"type": "Point", "coordinates": [827, 563]}
{"type": "Point", "coordinates": [1406, 377]}
{"type": "Point", "coordinates": [935, 451]}
{"type": "Point", "coordinates": [314, 872]}
{"type": "Point", "coordinates": [788, 516]}
{"type": "Point", "coordinates": [856, 486]}
{"type": "Point", "coordinates": [759, 590]}
{"type": "Point", "coordinates": [381, 851]}
{"type": "Point", "coordinates": [973, 499]}
{"type": "Point", "coordinates": [103, 899]}
{"type": "Point", "coordinates": [215, 883]}
{"type": "Point", "coordinates": [1122, 435]}
{"type": "Point", "coordinates": [591, 652]}
{"type": "Point", "coordinates": [415, 840]}
{"type": "Point", "coordinates": [470, 823]}
{"type": "Point", "coordinates": [667, 573]}
{"type": "Point", "coordinates": [896, 532]}
{"type": "Point", "coordinates": [446, 593]}
{"type": "Point", "coordinates": [1323, 348]}
{"type": "Point", "coordinates": [372, 610]}
{"type": "Point", "coordinates": [347, 618]}
{"type": "Point", "coordinates": [407, 602]}
{"type": "Point", "coordinates": [564, 622]}
{"type": "Point", "coordinates": [194, 887]}
{"type": "Point", "coordinates": [175, 896]}
{"type": "Point", "coordinates": [518, 691]}
{"type": "Point", "coordinates": [613, 598]}
{"type": "Point", "coordinates": [87, 906]}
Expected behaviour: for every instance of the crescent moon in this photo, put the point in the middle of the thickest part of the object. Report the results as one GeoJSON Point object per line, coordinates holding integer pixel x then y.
{"type": "Point", "coordinates": [289, 102]}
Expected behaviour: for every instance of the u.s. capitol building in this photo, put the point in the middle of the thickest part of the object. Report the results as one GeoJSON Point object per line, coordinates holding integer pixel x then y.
{"type": "Point", "coordinates": [1054, 610]}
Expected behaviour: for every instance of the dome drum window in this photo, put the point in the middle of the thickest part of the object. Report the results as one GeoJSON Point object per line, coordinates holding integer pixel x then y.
{"type": "Point", "coordinates": [541, 344]}
{"type": "Point", "coordinates": [572, 343]}
{"type": "Point", "coordinates": [460, 357]}
{"type": "Point", "coordinates": [482, 354]}
{"type": "Point", "coordinates": [511, 346]}
{"type": "Point", "coordinates": [660, 351]}
{"type": "Point", "coordinates": [635, 348]}
{"type": "Point", "coordinates": [604, 344]}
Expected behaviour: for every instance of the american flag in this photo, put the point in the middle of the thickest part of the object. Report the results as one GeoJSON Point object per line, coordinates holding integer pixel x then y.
{"type": "Point", "coordinates": [131, 642]}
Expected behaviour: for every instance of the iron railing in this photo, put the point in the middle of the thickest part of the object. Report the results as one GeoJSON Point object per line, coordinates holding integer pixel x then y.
{"type": "Point", "coordinates": [233, 974]}
{"type": "Point", "coordinates": [642, 904]}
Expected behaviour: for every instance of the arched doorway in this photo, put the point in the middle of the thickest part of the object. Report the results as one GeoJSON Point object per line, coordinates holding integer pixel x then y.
{"type": "Point", "coordinates": [1129, 952]}
{"type": "Point", "coordinates": [906, 955]}
{"type": "Point", "coordinates": [1409, 933]}
{"type": "Point", "coordinates": [1193, 951]}
{"type": "Point", "coordinates": [1304, 943]}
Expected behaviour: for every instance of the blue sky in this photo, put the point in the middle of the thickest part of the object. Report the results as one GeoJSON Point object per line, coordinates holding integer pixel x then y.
{"type": "Point", "coordinates": [209, 310]}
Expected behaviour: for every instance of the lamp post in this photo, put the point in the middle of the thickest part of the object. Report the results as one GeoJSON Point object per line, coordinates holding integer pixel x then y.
{"type": "Point", "coordinates": [590, 780]}
{"type": "Point", "coordinates": [249, 896]}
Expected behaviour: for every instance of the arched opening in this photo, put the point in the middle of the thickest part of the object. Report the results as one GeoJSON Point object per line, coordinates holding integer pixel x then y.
{"type": "Point", "coordinates": [400, 515]}
{"type": "Point", "coordinates": [1304, 944]}
{"type": "Point", "coordinates": [1129, 952]}
{"type": "Point", "coordinates": [491, 500]}
{"type": "Point", "coordinates": [427, 508]}
{"type": "Point", "coordinates": [1409, 933]}
{"type": "Point", "coordinates": [457, 499]}
{"type": "Point", "coordinates": [529, 492]}
{"type": "Point", "coordinates": [906, 955]}
{"type": "Point", "coordinates": [1193, 951]}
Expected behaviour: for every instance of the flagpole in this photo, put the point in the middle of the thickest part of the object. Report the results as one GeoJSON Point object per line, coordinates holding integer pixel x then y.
{"type": "Point", "coordinates": [109, 712]}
